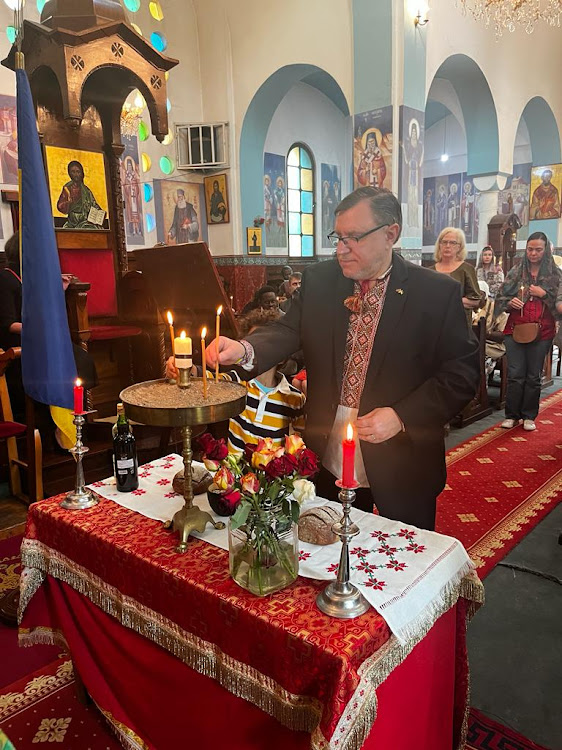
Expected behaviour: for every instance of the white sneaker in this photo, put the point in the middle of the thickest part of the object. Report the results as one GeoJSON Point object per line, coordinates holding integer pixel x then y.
{"type": "Point", "coordinates": [507, 424]}
{"type": "Point", "coordinates": [529, 425]}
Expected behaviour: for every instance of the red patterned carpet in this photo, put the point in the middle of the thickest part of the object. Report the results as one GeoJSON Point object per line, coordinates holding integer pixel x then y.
{"type": "Point", "coordinates": [500, 484]}
{"type": "Point", "coordinates": [485, 734]}
{"type": "Point", "coordinates": [43, 708]}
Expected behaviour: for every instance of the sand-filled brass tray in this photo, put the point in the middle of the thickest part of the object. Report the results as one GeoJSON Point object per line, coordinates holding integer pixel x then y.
{"type": "Point", "coordinates": [163, 404]}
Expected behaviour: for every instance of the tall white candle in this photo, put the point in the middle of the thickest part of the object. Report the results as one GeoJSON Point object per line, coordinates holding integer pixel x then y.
{"type": "Point", "coordinates": [217, 336]}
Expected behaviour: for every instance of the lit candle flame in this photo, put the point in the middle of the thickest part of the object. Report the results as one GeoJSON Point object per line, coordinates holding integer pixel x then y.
{"type": "Point", "coordinates": [219, 309]}
{"type": "Point", "coordinates": [183, 335]}
{"type": "Point", "coordinates": [78, 382]}
{"type": "Point", "coordinates": [203, 333]}
{"type": "Point", "coordinates": [350, 431]}
{"type": "Point", "coordinates": [170, 318]}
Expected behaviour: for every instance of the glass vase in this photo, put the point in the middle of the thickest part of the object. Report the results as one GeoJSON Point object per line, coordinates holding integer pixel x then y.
{"type": "Point", "coordinates": [264, 553]}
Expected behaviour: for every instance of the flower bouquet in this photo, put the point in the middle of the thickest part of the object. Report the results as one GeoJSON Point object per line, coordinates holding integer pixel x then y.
{"type": "Point", "coordinates": [262, 490]}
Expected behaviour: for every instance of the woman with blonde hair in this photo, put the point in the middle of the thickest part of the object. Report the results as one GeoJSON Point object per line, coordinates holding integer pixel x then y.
{"type": "Point", "coordinates": [450, 254]}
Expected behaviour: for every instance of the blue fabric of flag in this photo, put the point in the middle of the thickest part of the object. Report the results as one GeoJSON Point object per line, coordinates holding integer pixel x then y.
{"type": "Point", "coordinates": [48, 366]}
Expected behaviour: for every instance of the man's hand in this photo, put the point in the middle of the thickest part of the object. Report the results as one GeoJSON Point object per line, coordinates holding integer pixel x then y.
{"type": "Point", "coordinates": [378, 425]}
{"type": "Point", "coordinates": [230, 352]}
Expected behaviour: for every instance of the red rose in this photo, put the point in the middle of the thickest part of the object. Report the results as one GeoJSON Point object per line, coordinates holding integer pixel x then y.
{"type": "Point", "coordinates": [206, 442]}
{"type": "Point", "coordinates": [307, 462]}
{"type": "Point", "coordinates": [249, 450]}
{"type": "Point", "coordinates": [224, 505]}
{"type": "Point", "coordinates": [215, 450]}
{"type": "Point", "coordinates": [282, 466]}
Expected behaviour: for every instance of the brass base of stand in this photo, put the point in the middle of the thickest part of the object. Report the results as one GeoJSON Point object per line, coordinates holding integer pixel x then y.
{"type": "Point", "coordinates": [191, 519]}
{"type": "Point", "coordinates": [79, 500]}
{"type": "Point", "coordinates": [342, 600]}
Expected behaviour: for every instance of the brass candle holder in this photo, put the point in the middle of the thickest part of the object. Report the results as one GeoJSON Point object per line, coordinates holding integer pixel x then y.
{"type": "Point", "coordinates": [81, 497]}
{"type": "Point", "coordinates": [190, 518]}
{"type": "Point", "coordinates": [341, 598]}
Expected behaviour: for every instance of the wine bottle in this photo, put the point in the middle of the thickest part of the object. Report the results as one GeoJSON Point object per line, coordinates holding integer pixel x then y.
{"type": "Point", "coordinates": [124, 453]}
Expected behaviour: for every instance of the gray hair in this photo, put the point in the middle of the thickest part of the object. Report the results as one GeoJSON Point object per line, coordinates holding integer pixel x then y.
{"type": "Point", "coordinates": [383, 204]}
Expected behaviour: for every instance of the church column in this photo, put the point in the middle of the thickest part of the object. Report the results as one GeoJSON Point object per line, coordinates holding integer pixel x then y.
{"type": "Point", "coordinates": [389, 107]}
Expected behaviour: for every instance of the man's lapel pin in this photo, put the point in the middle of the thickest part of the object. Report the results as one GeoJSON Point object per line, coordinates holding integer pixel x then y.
{"type": "Point", "coordinates": [399, 291]}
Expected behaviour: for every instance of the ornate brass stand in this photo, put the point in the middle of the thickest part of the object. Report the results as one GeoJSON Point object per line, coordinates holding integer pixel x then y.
{"type": "Point", "coordinates": [341, 598]}
{"type": "Point", "coordinates": [190, 518]}
{"type": "Point", "coordinates": [80, 498]}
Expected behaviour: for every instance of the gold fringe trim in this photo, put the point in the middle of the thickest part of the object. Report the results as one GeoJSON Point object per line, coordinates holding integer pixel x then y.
{"type": "Point", "coordinates": [495, 539]}
{"type": "Point", "coordinates": [128, 739]}
{"type": "Point", "coordinates": [42, 636]}
{"type": "Point", "coordinates": [296, 712]}
{"type": "Point", "coordinates": [353, 732]}
{"type": "Point", "coordinates": [31, 581]}
{"type": "Point", "coordinates": [35, 690]}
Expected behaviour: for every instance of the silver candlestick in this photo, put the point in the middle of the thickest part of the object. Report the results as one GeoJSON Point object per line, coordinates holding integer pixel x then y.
{"type": "Point", "coordinates": [81, 498]}
{"type": "Point", "coordinates": [341, 598]}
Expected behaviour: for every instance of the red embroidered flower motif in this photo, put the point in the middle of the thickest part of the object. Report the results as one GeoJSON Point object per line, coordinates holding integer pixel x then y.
{"type": "Point", "coordinates": [353, 303]}
{"type": "Point", "coordinates": [395, 565]}
{"type": "Point", "coordinates": [406, 533]}
{"type": "Point", "coordinates": [364, 565]}
{"type": "Point", "coordinates": [333, 568]}
{"type": "Point", "coordinates": [144, 474]}
{"type": "Point", "coordinates": [98, 484]}
{"type": "Point", "coordinates": [172, 494]}
{"type": "Point", "coordinates": [359, 551]}
{"type": "Point", "coordinates": [167, 466]}
{"type": "Point", "coordinates": [304, 555]}
{"type": "Point", "coordinates": [163, 481]}
{"type": "Point", "coordinates": [386, 550]}
{"type": "Point", "coordinates": [373, 583]}
{"type": "Point", "coordinates": [379, 535]}
{"type": "Point", "coordinates": [139, 492]}
{"type": "Point", "coordinates": [413, 547]}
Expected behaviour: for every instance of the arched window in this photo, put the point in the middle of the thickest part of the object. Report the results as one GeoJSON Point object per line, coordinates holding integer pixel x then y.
{"type": "Point", "coordinates": [300, 202]}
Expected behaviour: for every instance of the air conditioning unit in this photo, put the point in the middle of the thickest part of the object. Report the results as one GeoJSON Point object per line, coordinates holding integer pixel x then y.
{"type": "Point", "coordinates": [202, 145]}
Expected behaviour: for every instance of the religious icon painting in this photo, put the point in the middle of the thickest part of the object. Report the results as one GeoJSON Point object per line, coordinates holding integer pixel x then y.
{"type": "Point", "coordinates": [514, 198]}
{"type": "Point", "coordinates": [180, 212]}
{"type": "Point", "coordinates": [372, 148]}
{"type": "Point", "coordinates": [275, 200]}
{"type": "Point", "coordinates": [8, 140]}
{"type": "Point", "coordinates": [132, 191]}
{"type": "Point", "coordinates": [412, 123]}
{"type": "Point", "coordinates": [546, 189]}
{"type": "Point", "coordinates": [216, 199]}
{"type": "Point", "coordinates": [253, 235]}
{"type": "Point", "coordinates": [78, 188]}
{"type": "Point", "coordinates": [331, 196]}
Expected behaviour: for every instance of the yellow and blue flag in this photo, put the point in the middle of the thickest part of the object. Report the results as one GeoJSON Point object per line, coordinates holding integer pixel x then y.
{"type": "Point", "coordinates": [48, 366]}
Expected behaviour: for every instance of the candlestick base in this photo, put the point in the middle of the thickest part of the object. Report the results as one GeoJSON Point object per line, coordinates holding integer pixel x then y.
{"type": "Point", "coordinates": [79, 500]}
{"type": "Point", "coordinates": [341, 598]}
{"type": "Point", "coordinates": [184, 379]}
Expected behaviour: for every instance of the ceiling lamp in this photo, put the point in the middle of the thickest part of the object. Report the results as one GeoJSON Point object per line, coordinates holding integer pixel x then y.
{"type": "Point", "coordinates": [509, 14]}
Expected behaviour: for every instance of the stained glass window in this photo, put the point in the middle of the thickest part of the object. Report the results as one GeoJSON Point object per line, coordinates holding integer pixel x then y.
{"type": "Point", "coordinates": [132, 5]}
{"type": "Point", "coordinates": [158, 41]}
{"type": "Point", "coordinates": [300, 202]}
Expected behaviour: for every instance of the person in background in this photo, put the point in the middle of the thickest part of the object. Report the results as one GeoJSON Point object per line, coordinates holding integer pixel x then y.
{"type": "Point", "coordinates": [529, 295]}
{"type": "Point", "coordinates": [295, 281]}
{"type": "Point", "coordinates": [386, 349]}
{"type": "Point", "coordinates": [264, 299]}
{"type": "Point", "coordinates": [488, 271]}
{"type": "Point", "coordinates": [450, 254]}
{"type": "Point", "coordinates": [283, 290]}
{"type": "Point", "coordinates": [274, 408]}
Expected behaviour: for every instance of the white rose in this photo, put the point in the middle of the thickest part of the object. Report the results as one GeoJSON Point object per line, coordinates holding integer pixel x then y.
{"type": "Point", "coordinates": [303, 490]}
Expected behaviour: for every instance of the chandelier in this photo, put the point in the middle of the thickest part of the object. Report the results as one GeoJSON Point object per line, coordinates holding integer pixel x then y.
{"type": "Point", "coordinates": [131, 114]}
{"type": "Point", "coordinates": [509, 14]}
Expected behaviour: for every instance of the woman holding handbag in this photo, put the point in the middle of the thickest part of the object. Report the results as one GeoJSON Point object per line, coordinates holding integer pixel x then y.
{"type": "Point", "coordinates": [529, 295]}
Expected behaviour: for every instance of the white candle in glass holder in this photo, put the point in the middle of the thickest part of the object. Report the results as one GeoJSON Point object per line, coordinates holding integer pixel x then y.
{"type": "Point", "coordinates": [183, 351]}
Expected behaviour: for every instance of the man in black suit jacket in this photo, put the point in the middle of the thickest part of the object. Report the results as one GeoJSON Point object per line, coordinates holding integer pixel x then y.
{"type": "Point", "coordinates": [422, 370]}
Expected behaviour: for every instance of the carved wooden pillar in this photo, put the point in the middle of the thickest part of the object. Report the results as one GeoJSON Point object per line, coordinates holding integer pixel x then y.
{"type": "Point", "coordinates": [113, 152]}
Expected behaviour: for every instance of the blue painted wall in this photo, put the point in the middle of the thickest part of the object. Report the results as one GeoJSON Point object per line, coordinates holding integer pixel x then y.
{"type": "Point", "coordinates": [372, 47]}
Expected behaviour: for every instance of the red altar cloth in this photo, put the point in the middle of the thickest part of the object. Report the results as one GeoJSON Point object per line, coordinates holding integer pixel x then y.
{"type": "Point", "coordinates": [318, 676]}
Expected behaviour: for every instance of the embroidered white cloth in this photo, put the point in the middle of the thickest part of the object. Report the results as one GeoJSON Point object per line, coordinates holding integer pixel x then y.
{"type": "Point", "coordinates": [405, 573]}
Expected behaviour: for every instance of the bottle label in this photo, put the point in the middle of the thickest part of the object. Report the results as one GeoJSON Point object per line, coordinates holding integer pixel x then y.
{"type": "Point", "coordinates": [125, 463]}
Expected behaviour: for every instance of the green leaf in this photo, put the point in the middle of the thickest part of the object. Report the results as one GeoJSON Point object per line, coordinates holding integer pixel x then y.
{"type": "Point", "coordinates": [241, 515]}
{"type": "Point", "coordinates": [295, 511]}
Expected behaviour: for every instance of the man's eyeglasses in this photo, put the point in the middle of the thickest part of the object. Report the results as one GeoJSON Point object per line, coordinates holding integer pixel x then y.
{"type": "Point", "coordinates": [452, 243]}
{"type": "Point", "coordinates": [335, 239]}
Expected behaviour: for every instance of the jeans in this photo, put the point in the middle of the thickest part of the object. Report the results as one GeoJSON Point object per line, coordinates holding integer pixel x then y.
{"type": "Point", "coordinates": [524, 370]}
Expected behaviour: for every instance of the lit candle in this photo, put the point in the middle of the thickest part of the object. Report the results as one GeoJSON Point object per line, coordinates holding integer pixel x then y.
{"type": "Point", "coordinates": [204, 361]}
{"type": "Point", "coordinates": [217, 336]}
{"type": "Point", "coordinates": [232, 301]}
{"type": "Point", "coordinates": [521, 291]}
{"type": "Point", "coordinates": [78, 397]}
{"type": "Point", "coordinates": [172, 334]}
{"type": "Point", "coordinates": [182, 347]}
{"type": "Point", "coordinates": [348, 462]}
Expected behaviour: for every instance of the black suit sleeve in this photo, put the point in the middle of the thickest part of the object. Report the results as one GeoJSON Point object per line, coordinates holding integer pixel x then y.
{"type": "Point", "coordinates": [10, 306]}
{"type": "Point", "coordinates": [455, 379]}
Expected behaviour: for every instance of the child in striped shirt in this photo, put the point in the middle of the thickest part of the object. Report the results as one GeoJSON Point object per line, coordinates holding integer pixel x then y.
{"type": "Point", "coordinates": [274, 408]}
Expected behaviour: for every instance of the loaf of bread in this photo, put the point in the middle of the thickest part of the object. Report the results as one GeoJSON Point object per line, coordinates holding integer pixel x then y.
{"type": "Point", "coordinates": [315, 525]}
{"type": "Point", "coordinates": [201, 480]}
